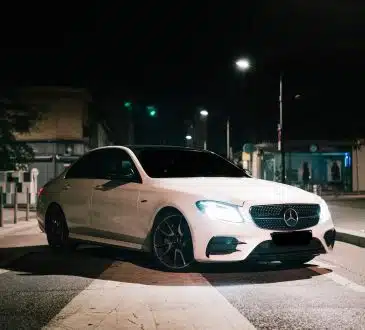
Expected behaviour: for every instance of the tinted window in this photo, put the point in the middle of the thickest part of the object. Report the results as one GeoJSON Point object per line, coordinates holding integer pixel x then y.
{"type": "Point", "coordinates": [83, 168]}
{"type": "Point", "coordinates": [170, 163]}
{"type": "Point", "coordinates": [104, 164]}
{"type": "Point", "coordinates": [116, 164]}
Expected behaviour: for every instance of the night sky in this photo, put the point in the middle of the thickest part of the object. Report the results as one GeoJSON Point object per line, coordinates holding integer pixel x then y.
{"type": "Point", "coordinates": [181, 57]}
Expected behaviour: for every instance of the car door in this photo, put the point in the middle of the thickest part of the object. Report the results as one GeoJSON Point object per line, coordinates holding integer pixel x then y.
{"type": "Point", "coordinates": [115, 199]}
{"type": "Point", "coordinates": [75, 194]}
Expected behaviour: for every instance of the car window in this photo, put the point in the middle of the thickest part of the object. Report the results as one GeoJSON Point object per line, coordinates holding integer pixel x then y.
{"type": "Point", "coordinates": [116, 164]}
{"type": "Point", "coordinates": [83, 168]}
{"type": "Point", "coordinates": [111, 164]}
{"type": "Point", "coordinates": [165, 163]}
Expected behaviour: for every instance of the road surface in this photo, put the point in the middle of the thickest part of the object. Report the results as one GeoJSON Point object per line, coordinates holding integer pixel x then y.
{"type": "Point", "coordinates": [105, 288]}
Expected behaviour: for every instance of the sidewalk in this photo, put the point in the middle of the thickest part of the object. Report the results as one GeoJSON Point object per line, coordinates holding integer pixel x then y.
{"type": "Point", "coordinates": [8, 221]}
{"type": "Point", "coordinates": [349, 220]}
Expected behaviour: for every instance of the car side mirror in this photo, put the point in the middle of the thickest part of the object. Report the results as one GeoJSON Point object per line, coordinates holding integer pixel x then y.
{"type": "Point", "coordinates": [248, 172]}
{"type": "Point", "coordinates": [127, 173]}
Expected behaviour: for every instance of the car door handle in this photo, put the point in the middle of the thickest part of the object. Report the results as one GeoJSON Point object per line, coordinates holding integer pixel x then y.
{"type": "Point", "coordinates": [66, 187]}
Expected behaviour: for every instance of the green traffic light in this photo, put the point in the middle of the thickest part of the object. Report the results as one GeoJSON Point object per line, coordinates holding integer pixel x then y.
{"type": "Point", "coordinates": [152, 111]}
{"type": "Point", "coordinates": [128, 104]}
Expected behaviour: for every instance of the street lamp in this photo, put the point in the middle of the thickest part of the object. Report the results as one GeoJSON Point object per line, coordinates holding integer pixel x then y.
{"type": "Point", "coordinates": [243, 64]}
{"type": "Point", "coordinates": [203, 117]}
{"type": "Point", "coordinates": [188, 137]}
{"type": "Point", "coordinates": [204, 113]}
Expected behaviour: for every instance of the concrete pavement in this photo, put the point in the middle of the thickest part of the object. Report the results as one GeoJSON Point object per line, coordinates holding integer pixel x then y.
{"type": "Point", "coordinates": [22, 224]}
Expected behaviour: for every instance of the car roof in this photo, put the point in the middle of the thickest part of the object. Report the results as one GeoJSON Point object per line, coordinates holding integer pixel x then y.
{"type": "Point", "coordinates": [160, 147]}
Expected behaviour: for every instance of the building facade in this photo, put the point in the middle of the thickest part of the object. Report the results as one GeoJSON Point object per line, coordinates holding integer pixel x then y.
{"type": "Point", "coordinates": [65, 131]}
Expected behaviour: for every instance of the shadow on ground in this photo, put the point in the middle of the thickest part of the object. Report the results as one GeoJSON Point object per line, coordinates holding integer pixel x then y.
{"type": "Point", "coordinates": [134, 267]}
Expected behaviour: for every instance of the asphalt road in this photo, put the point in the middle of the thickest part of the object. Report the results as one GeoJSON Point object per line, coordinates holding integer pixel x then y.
{"type": "Point", "coordinates": [108, 288]}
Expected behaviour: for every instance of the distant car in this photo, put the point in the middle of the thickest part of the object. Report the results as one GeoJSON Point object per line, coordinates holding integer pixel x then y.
{"type": "Point", "coordinates": [182, 205]}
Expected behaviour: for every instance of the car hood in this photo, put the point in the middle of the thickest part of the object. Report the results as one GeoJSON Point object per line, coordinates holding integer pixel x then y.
{"type": "Point", "coordinates": [238, 190]}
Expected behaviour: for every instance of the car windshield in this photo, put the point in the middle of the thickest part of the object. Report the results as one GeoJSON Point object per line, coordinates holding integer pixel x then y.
{"type": "Point", "coordinates": [183, 163]}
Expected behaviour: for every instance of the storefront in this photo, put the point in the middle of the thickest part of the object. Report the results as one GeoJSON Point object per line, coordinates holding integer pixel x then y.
{"type": "Point", "coordinates": [324, 163]}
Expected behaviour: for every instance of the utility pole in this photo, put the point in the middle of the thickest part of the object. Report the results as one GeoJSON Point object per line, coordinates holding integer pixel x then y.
{"type": "Point", "coordinates": [280, 131]}
{"type": "Point", "coordinates": [357, 148]}
{"type": "Point", "coordinates": [130, 128]}
{"type": "Point", "coordinates": [128, 105]}
{"type": "Point", "coordinates": [228, 142]}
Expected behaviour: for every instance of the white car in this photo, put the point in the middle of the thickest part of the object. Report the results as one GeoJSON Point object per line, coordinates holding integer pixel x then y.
{"type": "Point", "coordinates": [182, 205]}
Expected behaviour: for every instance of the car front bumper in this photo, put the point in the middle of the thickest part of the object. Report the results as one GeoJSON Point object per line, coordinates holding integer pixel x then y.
{"type": "Point", "coordinates": [220, 241]}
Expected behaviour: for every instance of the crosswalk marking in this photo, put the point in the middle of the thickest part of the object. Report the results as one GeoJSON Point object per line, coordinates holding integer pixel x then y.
{"type": "Point", "coordinates": [116, 304]}
{"type": "Point", "coordinates": [338, 278]}
{"type": "Point", "coordinates": [3, 271]}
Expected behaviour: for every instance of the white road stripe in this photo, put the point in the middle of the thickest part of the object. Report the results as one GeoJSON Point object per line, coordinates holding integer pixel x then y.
{"type": "Point", "coordinates": [3, 271]}
{"type": "Point", "coordinates": [118, 304]}
{"type": "Point", "coordinates": [338, 278]}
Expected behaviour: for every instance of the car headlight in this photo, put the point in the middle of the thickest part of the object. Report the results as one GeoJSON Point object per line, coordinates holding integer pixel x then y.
{"type": "Point", "coordinates": [220, 211]}
{"type": "Point", "coordinates": [325, 213]}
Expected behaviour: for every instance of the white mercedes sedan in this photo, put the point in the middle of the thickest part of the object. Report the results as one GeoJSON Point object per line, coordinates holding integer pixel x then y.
{"type": "Point", "coordinates": [183, 206]}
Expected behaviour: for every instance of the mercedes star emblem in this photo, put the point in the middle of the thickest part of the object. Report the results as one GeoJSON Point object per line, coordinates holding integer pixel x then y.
{"type": "Point", "coordinates": [291, 217]}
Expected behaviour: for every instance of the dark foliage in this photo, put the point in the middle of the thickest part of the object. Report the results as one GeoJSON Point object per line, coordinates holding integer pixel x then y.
{"type": "Point", "coordinates": [16, 116]}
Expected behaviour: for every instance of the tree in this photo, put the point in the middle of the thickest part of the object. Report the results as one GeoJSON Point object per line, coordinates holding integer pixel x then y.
{"type": "Point", "coordinates": [16, 116]}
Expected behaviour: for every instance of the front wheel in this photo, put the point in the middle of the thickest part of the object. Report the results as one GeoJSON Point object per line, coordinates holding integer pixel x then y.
{"type": "Point", "coordinates": [172, 245]}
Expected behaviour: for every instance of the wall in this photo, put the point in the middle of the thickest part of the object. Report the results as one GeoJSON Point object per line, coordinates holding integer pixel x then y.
{"type": "Point", "coordinates": [64, 119]}
{"type": "Point", "coordinates": [99, 137]}
{"type": "Point", "coordinates": [361, 169]}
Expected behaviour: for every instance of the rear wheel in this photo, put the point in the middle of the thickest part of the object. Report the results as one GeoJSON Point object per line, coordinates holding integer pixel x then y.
{"type": "Point", "coordinates": [57, 230]}
{"type": "Point", "coordinates": [172, 245]}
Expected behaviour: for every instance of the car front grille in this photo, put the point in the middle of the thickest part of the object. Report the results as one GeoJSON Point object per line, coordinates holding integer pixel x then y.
{"type": "Point", "coordinates": [272, 216]}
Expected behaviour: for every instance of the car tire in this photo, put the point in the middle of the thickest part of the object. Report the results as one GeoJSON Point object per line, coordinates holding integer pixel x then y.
{"type": "Point", "coordinates": [171, 240]}
{"type": "Point", "coordinates": [57, 230]}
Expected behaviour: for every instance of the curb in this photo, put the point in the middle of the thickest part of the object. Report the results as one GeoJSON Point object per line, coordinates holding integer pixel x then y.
{"type": "Point", "coordinates": [343, 198]}
{"type": "Point", "coordinates": [351, 237]}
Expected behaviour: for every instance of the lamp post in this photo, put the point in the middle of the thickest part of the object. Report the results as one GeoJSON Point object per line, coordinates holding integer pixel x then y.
{"type": "Point", "coordinates": [128, 105]}
{"type": "Point", "coordinates": [242, 64]}
{"type": "Point", "coordinates": [280, 130]}
{"type": "Point", "coordinates": [203, 117]}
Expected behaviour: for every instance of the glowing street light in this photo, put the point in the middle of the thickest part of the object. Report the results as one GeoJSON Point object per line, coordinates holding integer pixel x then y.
{"type": "Point", "coordinates": [188, 137]}
{"type": "Point", "coordinates": [243, 64]}
{"type": "Point", "coordinates": [204, 113]}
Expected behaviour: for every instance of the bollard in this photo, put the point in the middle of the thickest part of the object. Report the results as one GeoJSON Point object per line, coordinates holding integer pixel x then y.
{"type": "Point", "coordinates": [27, 206]}
{"type": "Point", "coordinates": [15, 203]}
{"type": "Point", "coordinates": [1, 208]}
{"type": "Point", "coordinates": [315, 189]}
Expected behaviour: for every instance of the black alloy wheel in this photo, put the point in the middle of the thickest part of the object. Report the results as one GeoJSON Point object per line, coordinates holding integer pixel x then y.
{"type": "Point", "coordinates": [172, 244]}
{"type": "Point", "coordinates": [57, 230]}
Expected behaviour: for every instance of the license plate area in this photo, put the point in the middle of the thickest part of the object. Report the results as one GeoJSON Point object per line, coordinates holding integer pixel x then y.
{"type": "Point", "coordinates": [294, 238]}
